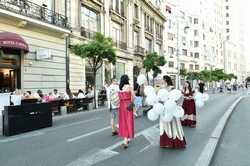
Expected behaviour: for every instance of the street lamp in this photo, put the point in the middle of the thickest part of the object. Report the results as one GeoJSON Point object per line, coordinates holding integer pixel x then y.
{"type": "Point", "coordinates": [177, 52]}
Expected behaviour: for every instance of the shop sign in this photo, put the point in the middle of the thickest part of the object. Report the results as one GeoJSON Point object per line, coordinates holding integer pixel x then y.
{"type": "Point", "coordinates": [43, 54]}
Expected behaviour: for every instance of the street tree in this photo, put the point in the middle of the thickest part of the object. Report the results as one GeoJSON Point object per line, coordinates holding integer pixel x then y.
{"type": "Point", "coordinates": [153, 62]}
{"type": "Point", "coordinates": [95, 52]}
{"type": "Point", "coordinates": [248, 79]}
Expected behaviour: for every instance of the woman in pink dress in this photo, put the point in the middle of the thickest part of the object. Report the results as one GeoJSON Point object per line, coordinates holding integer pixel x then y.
{"type": "Point", "coordinates": [171, 133]}
{"type": "Point", "coordinates": [126, 115]}
{"type": "Point", "coordinates": [188, 105]}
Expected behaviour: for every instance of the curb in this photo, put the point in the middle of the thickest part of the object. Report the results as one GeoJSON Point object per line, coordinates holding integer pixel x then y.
{"type": "Point", "coordinates": [207, 153]}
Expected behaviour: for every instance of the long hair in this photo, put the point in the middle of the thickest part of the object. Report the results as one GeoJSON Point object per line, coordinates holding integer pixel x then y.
{"type": "Point", "coordinates": [168, 80]}
{"type": "Point", "coordinates": [123, 81]}
{"type": "Point", "coordinates": [189, 87]}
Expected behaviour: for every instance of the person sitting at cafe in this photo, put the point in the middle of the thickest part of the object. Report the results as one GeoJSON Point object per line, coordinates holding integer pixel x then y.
{"type": "Point", "coordinates": [68, 95]}
{"type": "Point", "coordinates": [80, 94]}
{"type": "Point", "coordinates": [90, 92]}
{"type": "Point", "coordinates": [50, 97]}
{"type": "Point", "coordinates": [56, 94]}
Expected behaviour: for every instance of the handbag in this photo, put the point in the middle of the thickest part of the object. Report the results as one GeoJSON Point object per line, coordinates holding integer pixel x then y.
{"type": "Point", "coordinates": [131, 106]}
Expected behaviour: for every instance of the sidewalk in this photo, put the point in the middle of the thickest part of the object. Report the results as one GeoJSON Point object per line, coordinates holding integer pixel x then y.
{"type": "Point", "coordinates": [233, 149]}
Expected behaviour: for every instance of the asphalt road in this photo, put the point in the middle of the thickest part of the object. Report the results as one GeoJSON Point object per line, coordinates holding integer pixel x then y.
{"type": "Point", "coordinates": [84, 139]}
{"type": "Point", "coordinates": [234, 146]}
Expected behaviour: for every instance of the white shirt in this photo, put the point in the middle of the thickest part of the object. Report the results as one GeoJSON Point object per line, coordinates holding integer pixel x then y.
{"type": "Point", "coordinates": [81, 95]}
{"type": "Point", "coordinates": [114, 89]}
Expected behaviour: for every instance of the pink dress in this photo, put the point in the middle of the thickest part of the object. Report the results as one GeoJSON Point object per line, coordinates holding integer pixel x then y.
{"type": "Point", "coordinates": [126, 118]}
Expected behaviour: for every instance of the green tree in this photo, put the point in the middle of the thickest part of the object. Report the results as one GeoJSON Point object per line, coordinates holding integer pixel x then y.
{"type": "Point", "coordinates": [183, 72]}
{"type": "Point", "coordinates": [95, 52]}
{"type": "Point", "coordinates": [248, 79]}
{"type": "Point", "coordinates": [205, 75]}
{"type": "Point", "coordinates": [192, 76]}
{"type": "Point", "coordinates": [152, 62]}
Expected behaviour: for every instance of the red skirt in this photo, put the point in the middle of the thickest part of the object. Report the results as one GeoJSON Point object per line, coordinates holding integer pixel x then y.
{"type": "Point", "coordinates": [166, 142]}
{"type": "Point", "coordinates": [189, 113]}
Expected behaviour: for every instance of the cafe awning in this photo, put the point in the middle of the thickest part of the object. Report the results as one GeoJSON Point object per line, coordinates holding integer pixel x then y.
{"type": "Point", "coordinates": [14, 41]}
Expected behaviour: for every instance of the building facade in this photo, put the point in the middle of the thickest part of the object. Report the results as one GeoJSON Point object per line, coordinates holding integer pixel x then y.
{"type": "Point", "coordinates": [136, 28]}
{"type": "Point", "coordinates": [235, 55]}
{"type": "Point", "coordinates": [32, 38]}
{"type": "Point", "coordinates": [197, 34]}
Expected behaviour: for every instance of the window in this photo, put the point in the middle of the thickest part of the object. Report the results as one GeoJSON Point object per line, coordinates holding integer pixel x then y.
{"type": "Point", "coordinates": [184, 52]}
{"type": "Point", "coordinates": [170, 36]}
{"type": "Point", "coordinates": [116, 32]}
{"type": "Point", "coordinates": [227, 30]}
{"type": "Point", "coordinates": [136, 39]}
{"type": "Point", "coordinates": [204, 36]}
{"type": "Point", "coordinates": [171, 50]}
{"type": "Point", "coordinates": [148, 45]}
{"type": "Point", "coordinates": [191, 43]}
{"type": "Point", "coordinates": [190, 19]}
{"type": "Point", "coordinates": [228, 37]}
{"type": "Point", "coordinates": [197, 67]}
{"type": "Point", "coordinates": [196, 55]}
{"type": "Point", "coordinates": [90, 19]}
{"type": "Point", "coordinates": [196, 43]}
{"type": "Point", "coordinates": [136, 11]}
{"type": "Point", "coordinates": [196, 33]}
{"type": "Point", "coordinates": [171, 64]}
{"type": "Point", "coordinates": [158, 30]}
{"type": "Point", "coordinates": [191, 67]}
{"type": "Point", "coordinates": [191, 54]}
{"type": "Point", "coordinates": [169, 22]}
{"type": "Point", "coordinates": [227, 22]}
{"type": "Point", "coordinates": [119, 70]}
{"type": "Point", "coordinates": [227, 7]}
{"type": "Point", "coordinates": [196, 21]}
{"type": "Point", "coordinates": [158, 49]}
{"type": "Point", "coordinates": [182, 66]}
{"type": "Point", "coordinates": [184, 40]}
{"type": "Point", "coordinates": [227, 14]}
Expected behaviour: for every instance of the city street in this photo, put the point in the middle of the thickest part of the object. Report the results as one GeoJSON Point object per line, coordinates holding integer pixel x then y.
{"type": "Point", "coordinates": [84, 139]}
{"type": "Point", "coordinates": [234, 145]}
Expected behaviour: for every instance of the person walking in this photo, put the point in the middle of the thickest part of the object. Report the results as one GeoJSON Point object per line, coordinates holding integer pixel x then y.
{"type": "Point", "coordinates": [113, 102]}
{"type": "Point", "coordinates": [171, 133]}
{"type": "Point", "coordinates": [201, 86]}
{"type": "Point", "coordinates": [126, 115]}
{"type": "Point", "coordinates": [188, 105]}
{"type": "Point", "coordinates": [137, 100]}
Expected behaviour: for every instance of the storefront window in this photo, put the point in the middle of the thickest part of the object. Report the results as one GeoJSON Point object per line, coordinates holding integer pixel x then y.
{"type": "Point", "coordinates": [10, 77]}
{"type": "Point", "coordinates": [90, 77]}
{"type": "Point", "coordinates": [119, 70]}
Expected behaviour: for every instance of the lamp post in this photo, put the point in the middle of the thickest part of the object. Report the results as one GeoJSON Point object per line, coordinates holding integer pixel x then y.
{"type": "Point", "coordinates": [177, 50]}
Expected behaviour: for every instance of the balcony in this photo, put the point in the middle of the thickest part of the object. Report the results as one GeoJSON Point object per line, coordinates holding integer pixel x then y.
{"type": "Point", "coordinates": [87, 33]}
{"type": "Point", "coordinates": [139, 50]}
{"type": "Point", "coordinates": [32, 10]}
{"type": "Point", "coordinates": [120, 44]}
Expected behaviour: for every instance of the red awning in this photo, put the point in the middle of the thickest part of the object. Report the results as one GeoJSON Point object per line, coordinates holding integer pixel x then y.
{"type": "Point", "coordinates": [12, 40]}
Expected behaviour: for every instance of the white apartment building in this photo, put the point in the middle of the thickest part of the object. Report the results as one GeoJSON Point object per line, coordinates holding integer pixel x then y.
{"type": "Point", "coordinates": [199, 35]}
{"type": "Point", "coordinates": [136, 27]}
{"type": "Point", "coordinates": [234, 53]}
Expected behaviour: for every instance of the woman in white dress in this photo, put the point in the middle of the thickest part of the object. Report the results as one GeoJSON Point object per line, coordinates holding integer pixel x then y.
{"type": "Point", "coordinates": [171, 133]}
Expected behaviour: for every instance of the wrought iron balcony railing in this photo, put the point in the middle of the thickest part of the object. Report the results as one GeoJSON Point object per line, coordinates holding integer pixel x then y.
{"type": "Point", "coordinates": [30, 9]}
{"type": "Point", "coordinates": [139, 50]}
{"type": "Point", "coordinates": [120, 44]}
{"type": "Point", "coordinates": [87, 33]}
